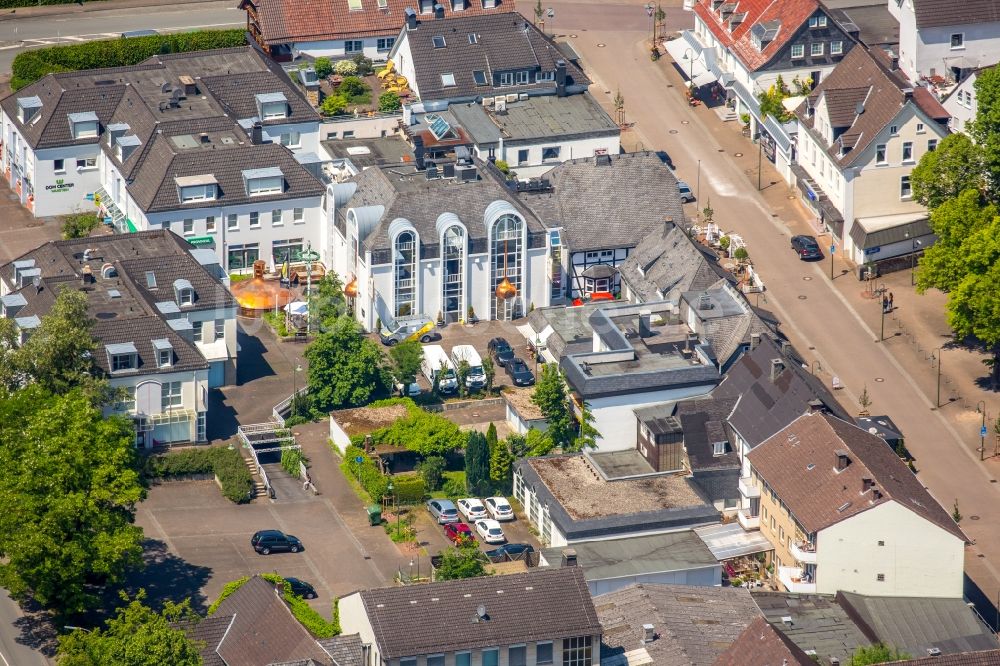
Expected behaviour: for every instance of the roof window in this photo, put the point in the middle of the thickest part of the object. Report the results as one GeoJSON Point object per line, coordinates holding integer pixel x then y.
{"type": "Point", "coordinates": [122, 357]}
{"type": "Point", "coordinates": [260, 182]}
{"type": "Point", "coordinates": [183, 292]}
{"type": "Point", "coordinates": [448, 80]}
{"type": "Point", "coordinates": [83, 125]}
{"type": "Point", "coordinates": [28, 108]}
{"type": "Point", "coordinates": [272, 106]}
{"type": "Point", "coordinates": [438, 41]}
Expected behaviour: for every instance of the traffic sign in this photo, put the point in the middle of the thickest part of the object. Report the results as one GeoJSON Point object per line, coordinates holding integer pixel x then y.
{"type": "Point", "coordinates": [359, 460]}
{"type": "Point", "coordinates": [982, 431]}
{"type": "Point", "coordinates": [833, 248]}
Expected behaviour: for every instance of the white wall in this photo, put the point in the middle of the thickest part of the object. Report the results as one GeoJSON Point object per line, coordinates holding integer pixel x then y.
{"type": "Point", "coordinates": [339, 438]}
{"type": "Point", "coordinates": [194, 397]}
{"type": "Point", "coordinates": [962, 112]}
{"type": "Point", "coordinates": [308, 136]}
{"type": "Point", "coordinates": [918, 558]}
{"type": "Point", "coordinates": [981, 45]}
{"type": "Point", "coordinates": [348, 127]}
{"type": "Point", "coordinates": [354, 620]}
{"type": "Point", "coordinates": [334, 49]}
{"type": "Point", "coordinates": [614, 418]}
{"type": "Point", "coordinates": [568, 149]}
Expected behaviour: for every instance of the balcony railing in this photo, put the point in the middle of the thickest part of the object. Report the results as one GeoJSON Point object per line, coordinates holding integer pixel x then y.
{"type": "Point", "coordinates": [747, 521]}
{"type": "Point", "coordinates": [795, 580]}
{"type": "Point", "coordinates": [804, 552]}
{"type": "Point", "coordinates": [747, 488]}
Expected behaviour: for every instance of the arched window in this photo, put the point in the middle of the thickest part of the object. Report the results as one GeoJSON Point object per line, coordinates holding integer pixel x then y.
{"type": "Point", "coordinates": [507, 252]}
{"type": "Point", "coordinates": [453, 279]}
{"type": "Point", "coordinates": [404, 272]}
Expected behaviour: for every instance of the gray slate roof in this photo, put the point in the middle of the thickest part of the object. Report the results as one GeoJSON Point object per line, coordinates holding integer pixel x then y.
{"type": "Point", "coordinates": [612, 205]}
{"type": "Point", "coordinates": [538, 117]}
{"type": "Point", "coordinates": [668, 262]}
{"type": "Point", "coordinates": [638, 555]}
{"type": "Point", "coordinates": [345, 649]}
{"type": "Point", "coordinates": [695, 624]}
{"type": "Point", "coordinates": [505, 42]}
{"type": "Point", "coordinates": [210, 631]}
{"type": "Point", "coordinates": [542, 604]}
{"type": "Point", "coordinates": [131, 316]}
{"type": "Point", "coordinates": [818, 623]}
{"type": "Point", "coordinates": [914, 624]}
{"type": "Point", "coordinates": [765, 407]}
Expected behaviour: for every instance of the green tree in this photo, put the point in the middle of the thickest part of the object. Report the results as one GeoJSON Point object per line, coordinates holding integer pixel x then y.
{"type": "Point", "coordinates": [59, 354]}
{"type": "Point", "coordinates": [490, 371]}
{"type": "Point", "coordinates": [986, 127]}
{"type": "Point", "coordinates": [462, 372]}
{"type": "Point", "coordinates": [323, 66]}
{"type": "Point", "coordinates": [425, 433]}
{"type": "Point", "coordinates": [955, 166]}
{"type": "Point", "coordinates": [406, 358]}
{"type": "Point", "coordinates": [491, 434]}
{"type": "Point", "coordinates": [974, 310]}
{"type": "Point", "coordinates": [389, 102]}
{"type": "Point", "coordinates": [352, 86]}
{"type": "Point", "coordinates": [878, 653]}
{"type": "Point", "coordinates": [137, 636]}
{"type": "Point", "coordinates": [345, 368]}
{"type": "Point", "coordinates": [465, 561]}
{"type": "Point", "coordinates": [501, 464]}
{"type": "Point", "coordinates": [327, 302]}
{"type": "Point", "coordinates": [71, 482]}
{"type": "Point", "coordinates": [538, 443]}
{"type": "Point", "coordinates": [79, 225]}
{"type": "Point", "coordinates": [477, 464]}
{"type": "Point", "coordinates": [333, 105]}
{"type": "Point", "coordinates": [587, 434]}
{"type": "Point", "coordinates": [363, 65]}
{"type": "Point", "coordinates": [955, 221]}
{"type": "Point", "coordinates": [550, 396]}
{"type": "Point", "coordinates": [771, 101]}
{"type": "Point", "coordinates": [432, 471]}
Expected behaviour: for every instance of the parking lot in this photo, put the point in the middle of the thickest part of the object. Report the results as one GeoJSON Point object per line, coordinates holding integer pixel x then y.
{"type": "Point", "coordinates": [432, 534]}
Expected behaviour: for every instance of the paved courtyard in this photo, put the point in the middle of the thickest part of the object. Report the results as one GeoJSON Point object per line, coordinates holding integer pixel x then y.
{"type": "Point", "coordinates": [19, 231]}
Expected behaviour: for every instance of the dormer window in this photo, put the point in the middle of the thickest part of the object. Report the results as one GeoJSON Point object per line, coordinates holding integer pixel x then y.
{"type": "Point", "coordinates": [122, 357]}
{"type": "Point", "coordinates": [272, 106]}
{"type": "Point", "coordinates": [125, 146]}
{"type": "Point", "coordinates": [164, 353]}
{"type": "Point", "coordinates": [719, 448]}
{"type": "Point", "coordinates": [817, 21]}
{"type": "Point", "coordinates": [28, 108]}
{"type": "Point", "coordinates": [196, 188]}
{"type": "Point", "coordinates": [260, 182]}
{"type": "Point", "coordinates": [84, 125]}
{"type": "Point", "coordinates": [183, 292]}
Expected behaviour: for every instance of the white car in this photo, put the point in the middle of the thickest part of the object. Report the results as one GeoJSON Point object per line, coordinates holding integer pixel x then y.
{"type": "Point", "coordinates": [472, 509]}
{"type": "Point", "coordinates": [490, 531]}
{"type": "Point", "coordinates": [499, 508]}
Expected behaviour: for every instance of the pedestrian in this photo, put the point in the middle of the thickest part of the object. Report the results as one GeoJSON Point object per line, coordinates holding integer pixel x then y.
{"type": "Point", "coordinates": [890, 302]}
{"type": "Point", "coordinates": [885, 304]}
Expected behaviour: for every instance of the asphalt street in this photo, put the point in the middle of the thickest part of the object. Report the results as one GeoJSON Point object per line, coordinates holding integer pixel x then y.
{"type": "Point", "coordinates": [20, 33]}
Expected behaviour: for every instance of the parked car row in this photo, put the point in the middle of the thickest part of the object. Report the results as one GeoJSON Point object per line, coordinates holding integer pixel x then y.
{"type": "Point", "coordinates": [484, 516]}
{"type": "Point", "coordinates": [503, 355]}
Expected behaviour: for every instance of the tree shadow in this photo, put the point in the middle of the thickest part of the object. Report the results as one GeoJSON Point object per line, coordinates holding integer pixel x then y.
{"type": "Point", "coordinates": [167, 577]}
{"type": "Point", "coordinates": [38, 628]}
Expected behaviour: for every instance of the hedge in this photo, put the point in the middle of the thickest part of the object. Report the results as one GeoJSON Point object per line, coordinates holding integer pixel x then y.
{"type": "Point", "coordinates": [366, 472]}
{"type": "Point", "coordinates": [315, 623]}
{"type": "Point", "coordinates": [29, 66]}
{"type": "Point", "coordinates": [13, 4]}
{"type": "Point", "coordinates": [409, 488]}
{"type": "Point", "coordinates": [227, 465]}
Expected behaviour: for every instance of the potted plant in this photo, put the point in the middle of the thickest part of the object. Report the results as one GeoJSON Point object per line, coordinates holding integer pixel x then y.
{"type": "Point", "coordinates": [472, 318]}
{"type": "Point", "coordinates": [440, 319]}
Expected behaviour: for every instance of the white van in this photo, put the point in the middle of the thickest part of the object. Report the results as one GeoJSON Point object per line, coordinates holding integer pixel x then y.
{"type": "Point", "coordinates": [476, 379]}
{"type": "Point", "coordinates": [437, 361]}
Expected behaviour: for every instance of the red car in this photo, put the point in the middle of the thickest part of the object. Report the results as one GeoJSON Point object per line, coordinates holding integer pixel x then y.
{"type": "Point", "coordinates": [459, 533]}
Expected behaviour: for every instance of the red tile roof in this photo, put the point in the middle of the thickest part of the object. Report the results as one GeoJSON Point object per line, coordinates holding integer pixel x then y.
{"type": "Point", "coordinates": [791, 14]}
{"type": "Point", "coordinates": [288, 21]}
{"type": "Point", "coordinates": [799, 465]}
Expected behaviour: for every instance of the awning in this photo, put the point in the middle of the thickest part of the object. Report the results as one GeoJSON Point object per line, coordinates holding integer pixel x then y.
{"type": "Point", "coordinates": [130, 226]}
{"type": "Point", "coordinates": [201, 240]}
{"type": "Point", "coordinates": [872, 232]}
{"type": "Point", "coordinates": [689, 61]}
{"type": "Point", "coordinates": [729, 540]}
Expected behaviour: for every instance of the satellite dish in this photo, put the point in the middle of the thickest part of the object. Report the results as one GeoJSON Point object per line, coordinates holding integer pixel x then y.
{"type": "Point", "coordinates": [37, 283]}
{"type": "Point", "coordinates": [481, 612]}
{"type": "Point", "coordinates": [859, 108]}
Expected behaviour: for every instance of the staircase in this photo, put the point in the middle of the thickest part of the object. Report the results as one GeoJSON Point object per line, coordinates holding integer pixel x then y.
{"type": "Point", "coordinates": [259, 489]}
{"type": "Point", "coordinates": [725, 113]}
{"type": "Point", "coordinates": [114, 212]}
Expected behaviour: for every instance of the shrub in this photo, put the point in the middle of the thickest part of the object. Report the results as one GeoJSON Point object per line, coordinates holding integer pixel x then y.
{"type": "Point", "coordinates": [29, 66]}
{"type": "Point", "coordinates": [389, 102]}
{"type": "Point", "coordinates": [227, 465]}
{"type": "Point", "coordinates": [345, 67]}
{"type": "Point", "coordinates": [363, 64]}
{"type": "Point", "coordinates": [432, 470]}
{"type": "Point", "coordinates": [323, 67]}
{"type": "Point", "coordinates": [314, 623]}
{"type": "Point", "coordinates": [409, 488]}
{"type": "Point", "coordinates": [334, 105]}
{"type": "Point", "coordinates": [79, 225]}
{"type": "Point", "coordinates": [401, 530]}
{"type": "Point", "coordinates": [454, 484]}
{"type": "Point", "coordinates": [425, 433]}
{"type": "Point", "coordinates": [290, 460]}
{"type": "Point", "coordinates": [352, 86]}
{"type": "Point", "coordinates": [366, 473]}
{"type": "Point", "coordinates": [503, 166]}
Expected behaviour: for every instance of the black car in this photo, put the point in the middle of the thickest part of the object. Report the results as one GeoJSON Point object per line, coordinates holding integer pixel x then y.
{"type": "Point", "coordinates": [512, 550]}
{"type": "Point", "coordinates": [266, 542]}
{"type": "Point", "coordinates": [518, 372]}
{"type": "Point", "coordinates": [501, 351]}
{"type": "Point", "coordinates": [806, 247]}
{"type": "Point", "coordinates": [301, 588]}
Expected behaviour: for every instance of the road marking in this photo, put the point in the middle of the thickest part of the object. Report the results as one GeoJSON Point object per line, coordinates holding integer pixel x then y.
{"type": "Point", "coordinates": [6, 663]}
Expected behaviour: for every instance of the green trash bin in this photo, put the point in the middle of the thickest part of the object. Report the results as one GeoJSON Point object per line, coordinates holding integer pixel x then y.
{"type": "Point", "coordinates": [374, 514]}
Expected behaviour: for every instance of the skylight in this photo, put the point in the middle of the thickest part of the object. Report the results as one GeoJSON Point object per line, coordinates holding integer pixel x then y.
{"type": "Point", "coordinates": [150, 280]}
{"type": "Point", "coordinates": [439, 126]}
{"type": "Point", "coordinates": [448, 80]}
{"type": "Point", "coordinates": [473, 38]}
{"type": "Point", "coordinates": [438, 41]}
{"type": "Point", "coordinates": [480, 77]}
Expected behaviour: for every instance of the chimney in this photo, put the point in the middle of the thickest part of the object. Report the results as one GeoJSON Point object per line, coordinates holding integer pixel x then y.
{"type": "Point", "coordinates": [87, 275]}
{"type": "Point", "coordinates": [257, 134]}
{"type": "Point", "coordinates": [816, 405]}
{"type": "Point", "coordinates": [645, 329]}
{"type": "Point", "coordinates": [866, 484]}
{"type": "Point", "coordinates": [418, 152]}
{"type": "Point", "coordinates": [908, 93]}
{"type": "Point", "coordinates": [777, 367]}
{"type": "Point", "coordinates": [648, 633]}
{"type": "Point", "coordinates": [569, 557]}
{"type": "Point", "coordinates": [754, 341]}
{"type": "Point", "coordinates": [411, 18]}
{"type": "Point", "coordinates": [279, 587]}
{"type": "Point", "coordinates": [439, 11]}
{"type": "Point", "coordinates": [786, 349]}
{"type": "Point", "coordinates": [893, 62]}
{"type": "Point", "coordinates": [843, 459]}
{"type": "Point", "coordinates": [560, 78]}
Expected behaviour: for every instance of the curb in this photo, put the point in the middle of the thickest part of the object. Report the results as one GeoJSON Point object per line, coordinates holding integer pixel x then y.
{"type": "Point", "coordinates": [93, 6]}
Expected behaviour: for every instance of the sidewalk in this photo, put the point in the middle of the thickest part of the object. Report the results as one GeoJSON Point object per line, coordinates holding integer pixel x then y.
{"type": "Point", "coordinates": [96, 6]}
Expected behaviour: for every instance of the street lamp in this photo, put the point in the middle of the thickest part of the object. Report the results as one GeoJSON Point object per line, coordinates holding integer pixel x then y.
{"type": "Point", "coordinates": [913, 261]}
{"type": "Point", "coordinates": [689, 56]}
{"type": "Point", "coordinates": [937, 400]}
{"type": "Point", "coordinates": [295, 390]}
{"type": "Point", "coordinates": [981, 408]}
{"type": "Point", "coordinates": [881, 334]}
{"type": "Point", "coordinates": [816, 364]}
{"type": "Point", "coordinates": [652, 25]}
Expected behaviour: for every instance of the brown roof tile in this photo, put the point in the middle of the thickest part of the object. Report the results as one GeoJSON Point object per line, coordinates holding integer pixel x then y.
{"type": "Point", "coordinates": [760, 644]}
{"type": "Point", "coordinates": [799, 464]}
{"type": "Point", "coordinates": [940, 13]}
{"type": "Point", "coordinates": [982, 658]}
{"type": "Point", "coordinates": [287, 21]}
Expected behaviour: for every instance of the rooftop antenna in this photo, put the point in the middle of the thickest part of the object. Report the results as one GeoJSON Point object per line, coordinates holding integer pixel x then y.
{"type": "Point", "coordinates": [37, 282]}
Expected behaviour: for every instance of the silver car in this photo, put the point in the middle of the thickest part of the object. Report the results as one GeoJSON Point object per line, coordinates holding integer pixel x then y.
{"type": "Point", "coordinates": [443, 510]}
